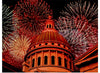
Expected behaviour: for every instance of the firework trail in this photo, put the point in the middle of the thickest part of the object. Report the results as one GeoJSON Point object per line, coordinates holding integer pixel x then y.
{"type": "Point", "coordinates": [31, 14]}
{"type": "Point", "coordinates": [7, 25]}
{"type": "Point", "coordinates": [80, 9]}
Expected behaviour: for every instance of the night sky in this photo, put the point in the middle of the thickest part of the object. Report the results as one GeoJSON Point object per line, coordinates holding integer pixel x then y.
{"type": "Point", "coordinates": [56, 5]}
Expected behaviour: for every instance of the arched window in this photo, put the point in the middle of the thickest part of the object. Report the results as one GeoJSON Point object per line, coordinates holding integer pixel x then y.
{"type": "Point", "coordinates": [53, 60]}
{"type": "Point", "coordinates": [58, 44]}
{"type": "Point", "coordinates": [33, 62]}
{"type": "Point", "coordinates": [65, 62]}
{"type": "Point", "coordinates": [52, 43]}
{"type": "Point", "coordinates": [45, 60]}
{"type": "Point", "coordinates": [49, 25]}
{"type": "Point", "coordinates": [64, 46]}
{"type": "Point", "coordinates": [39, 61]}
{"type": "Point", "coordinates": [46, 43]}
{"type": "Point", "coordinates": [59, 61]}
{"type": "Point", "coordinates": [39, 44]}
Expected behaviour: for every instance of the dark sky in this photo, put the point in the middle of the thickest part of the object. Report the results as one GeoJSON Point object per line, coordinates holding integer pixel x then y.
{"type": "Point", "coordinates": [55, 5]}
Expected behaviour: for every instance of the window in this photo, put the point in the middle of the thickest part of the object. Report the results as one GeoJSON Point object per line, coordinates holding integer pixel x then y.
{"type": "Point", "coordinates": [59, 61]}
{"type": "Point", "coordinates": [39, 44]}
{"type": "Point", "coordinates": [34, 46]}
{"type": "Point", "coordinates": [45, 60]}
{"type": "Point", "coordinates": [65, 62]}
{"type": "Point", "coordinates": [53, 60]}
{"type": "Point", "coordinates": [33, 62]}
{"type": "Point", "coordinates": [52, 43]}
{"type": "Point", "coordinates": [64, 46]}
{"type": "Point", "coordinates": [58, 44]}
{"type": "Point", "coordinates": [46, 43]}
{"type": "Point", "coordinates": [49, 25]}
{"type": "Point", "coordinates": [69, 56]}
{"type": "Point", "coordinates": [39, 61]}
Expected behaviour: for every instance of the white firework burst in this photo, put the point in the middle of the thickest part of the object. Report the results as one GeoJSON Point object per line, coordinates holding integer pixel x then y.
{"type": "Point", "coordinates": [18, 46]}
{"type": "Point", "coordinates": [77, 35]}
{"type": "Point", "coordinates": [7, 25]}
{"type": "Point", "coordinates": [82, 8]}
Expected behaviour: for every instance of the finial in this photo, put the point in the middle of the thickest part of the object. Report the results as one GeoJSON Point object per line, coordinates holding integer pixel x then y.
{"type": "Point", "coordinates": [49, 17]}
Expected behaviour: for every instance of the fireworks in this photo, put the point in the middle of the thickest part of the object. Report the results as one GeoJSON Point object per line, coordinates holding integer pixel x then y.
{"type": "Point", "coordinates": [79, 41]}
{"type": "Point", "coordinates": [18, 45]}
{"type": "Point", "coordinates": [82, 8]}
{"type": "Point", "coordinates": [89, 32]}
{"type": "Point", "coordinates": [31, 14]}
{"type": "Point", "coordinates": [79, 25]}
{"type": "Point", "coordinates": [7, 21]}
{"type": "Point", "coordinates": [7, 24]}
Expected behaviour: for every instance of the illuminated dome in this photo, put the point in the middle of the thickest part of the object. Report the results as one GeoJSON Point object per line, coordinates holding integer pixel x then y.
{"type": "Point", "coordinates": [48, 52]}
{"type": "Point", "coordinates": [49, 35]}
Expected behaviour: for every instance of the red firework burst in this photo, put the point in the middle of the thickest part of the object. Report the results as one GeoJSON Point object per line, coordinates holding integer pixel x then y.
{"type": "Point", "coordinates": [31, 14]}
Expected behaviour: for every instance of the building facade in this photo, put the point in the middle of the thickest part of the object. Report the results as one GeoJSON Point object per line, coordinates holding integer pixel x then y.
{"type": "Point", "coordinates": [49, 52]}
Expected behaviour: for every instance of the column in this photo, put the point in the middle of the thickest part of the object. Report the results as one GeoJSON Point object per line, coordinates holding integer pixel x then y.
{"type": "Point", "coordinates": [42, 59]}
{"type": "Point", "coordinates": [63, 60]}
{"type": "Point", "coordinates": [56, 59]}
{"type": "Point", "coordinates": [49, 58]}
{"type": "Point", "coordinates": [30, 61]}
{"type": "Point", "coordinates": [35, 60]}
{"type": "Point", "coordinates": [68, 65]}
{"type": "Point", "coordinates": [72, 66]}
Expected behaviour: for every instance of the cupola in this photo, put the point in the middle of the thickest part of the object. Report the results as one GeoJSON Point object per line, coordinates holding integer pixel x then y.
{"type": "Point", "coordinates": [49, 23]}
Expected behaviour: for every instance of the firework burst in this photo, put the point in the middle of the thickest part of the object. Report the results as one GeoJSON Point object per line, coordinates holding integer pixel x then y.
{"type": "Point", "coordinates": [18, 45]}
{"type": "Point", "coordinates": [81, 18]}
{"type": "Point", "coordinates": [82, 8]}
{"type": "Point", "coordinates": [79, 41]}
{"type": "Point", "coordinates": [7, 25]}
{"type": "Point", "coordinates": [31, 14]}
{"type": "Point", "coordinates": [89, 32]}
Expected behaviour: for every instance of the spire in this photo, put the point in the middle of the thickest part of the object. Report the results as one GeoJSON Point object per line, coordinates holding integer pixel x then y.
{"type": "Point", "coordinates": [49, 23]}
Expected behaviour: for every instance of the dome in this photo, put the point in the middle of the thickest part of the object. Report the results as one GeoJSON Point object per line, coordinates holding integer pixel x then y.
{"type": "Point", "coordinates": [49, 51]}
{"type": "Point", "coordinates": [49, 34]}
